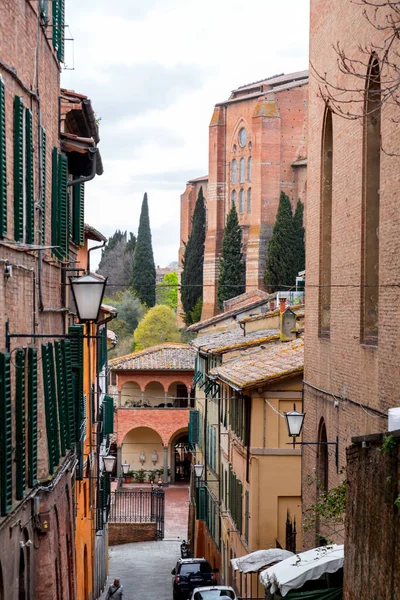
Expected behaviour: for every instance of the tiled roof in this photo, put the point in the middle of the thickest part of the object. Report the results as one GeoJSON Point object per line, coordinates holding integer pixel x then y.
{"type": "Point", "coordinates": [276, 80]}
{"type": "Point", "coordinates": [165, 357]}
{"type": "Point", "coordinates": [273, 362]}
{"type": "Point", "coordinates": [226, 341]}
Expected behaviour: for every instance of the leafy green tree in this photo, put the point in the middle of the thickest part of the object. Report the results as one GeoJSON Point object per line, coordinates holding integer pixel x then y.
{"type": "Point", "coordinates": [232, 270]}
{"type": "Point", "coordinates": [143, 268]}
{"type": "Point", "coordinates": [157, 327]}
{"type": "Point", "coordinates": [116, 261]}
{"type": "Point", "coordinates": [167, 290]}
{"type": "Point", "coordinates": [193, 260]}
{"type": "Point", "coordinates": [300, 253]}
{"type": "Point", "coordinates": [281, 264]}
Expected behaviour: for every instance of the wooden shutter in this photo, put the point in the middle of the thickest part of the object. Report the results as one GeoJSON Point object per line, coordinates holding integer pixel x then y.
{"type": "Point", "coordinates": [76, 343]}
{"type": "Point", "coordinates": [32, 417]}
{"type": "Point", "coordinates": [18, 169]}
{"type": "Point", "coordinates": [58, 28]}
{"type": "Point", "coordinates": [108, 415]}
{"type": "Point", "coordinates": [102, 349]}
{"type": "Point", "coordinates": [61, 396]}
{"type": "Point", "coordinates": [30, 203]}
{"type": "Point", "coordinates": [63, 205]}
{"type": "Point", "coordinates": [3, 162]}
{"type": "Point", "coordinates": [78, 212]}
{"type": "Point", "coordinates": [20, 451]}
{"type": "Point", "coordinates": [201, 503]}
{"type": "Point", "coordinates": [194, 427]}
{"type": "Point", "coordinates": [50, 406]}
{"type": "Point", "coordinates": [6, 442]}
{"type": "Point", "coordinates": [69, 394]}
{"type": "Point", "coordinates": [43, 184]}
{"type": "Point", "coordinates": [54, 202]}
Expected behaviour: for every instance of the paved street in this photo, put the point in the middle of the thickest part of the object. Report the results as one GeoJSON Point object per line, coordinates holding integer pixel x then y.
{"type": "Point", "coordinates": [145, 568]}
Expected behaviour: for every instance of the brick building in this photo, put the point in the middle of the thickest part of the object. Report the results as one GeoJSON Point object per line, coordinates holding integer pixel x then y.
{"type": "Point", "coordinates": [48, 149]}
{"type": "Point", "coordinates": [352, 338]}
{"type": "Point", "coordinates": [257, 148]}
{"type": "Point", "coordinates": [152, 392]}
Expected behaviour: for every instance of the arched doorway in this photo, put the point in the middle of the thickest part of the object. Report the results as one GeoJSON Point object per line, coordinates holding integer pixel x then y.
{"type": "Point", "coordinates": [131, 395]}
{"type": "Point", "coordinates": [178, 395]}
{"type": "Point", "coordinates": [143, 448]}
{"type": "Point", "coordinates": [181, 458]}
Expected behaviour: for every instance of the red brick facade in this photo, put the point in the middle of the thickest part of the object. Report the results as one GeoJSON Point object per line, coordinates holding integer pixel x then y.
{"type": "Point", "coordinates": [274, 115]}
{"type": "Point", "coordinates": [348, 383]}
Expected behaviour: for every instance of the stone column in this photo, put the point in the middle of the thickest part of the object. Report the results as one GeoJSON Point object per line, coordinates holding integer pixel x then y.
{"type": "Point", "coordinates": [165, 477]}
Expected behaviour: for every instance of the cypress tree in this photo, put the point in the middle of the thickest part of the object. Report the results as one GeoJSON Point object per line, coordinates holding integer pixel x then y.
{"type": "Point", "coordinates": [281, 264]}
{"type": "Point", "coordinates": [232, 270]}
{"type": "Point", "coordinates": [193, 260]}
{"type": "Point", "coordinates": [143, 268]}
{"type": "Point", "coordinates": [300, 253]}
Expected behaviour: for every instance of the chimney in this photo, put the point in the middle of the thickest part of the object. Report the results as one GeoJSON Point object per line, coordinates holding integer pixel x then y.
{"type": "Point", "coordinates": [287, 325]}
{"type": "Point", "coordinates": [282, 304]}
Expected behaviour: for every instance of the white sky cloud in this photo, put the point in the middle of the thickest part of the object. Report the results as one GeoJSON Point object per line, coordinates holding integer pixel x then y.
{"type": "Point", "coordinates": [154, 70]}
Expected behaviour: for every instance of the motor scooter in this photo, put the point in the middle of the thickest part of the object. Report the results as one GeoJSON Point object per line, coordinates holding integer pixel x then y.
{"type": "Point", "coordinates": [185, 552]}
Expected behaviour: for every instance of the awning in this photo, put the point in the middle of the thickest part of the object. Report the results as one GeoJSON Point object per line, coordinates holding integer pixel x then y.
{"type": "Point", "coordinates": [292, 573]}
{"type": "Point", "coordinates": [253, 562]}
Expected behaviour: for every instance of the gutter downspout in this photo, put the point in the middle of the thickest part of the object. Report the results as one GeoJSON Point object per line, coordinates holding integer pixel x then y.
{"type": "Point", "coordinates": [94, 152]}
{"type": "Point", "coordinates": [88, 260]}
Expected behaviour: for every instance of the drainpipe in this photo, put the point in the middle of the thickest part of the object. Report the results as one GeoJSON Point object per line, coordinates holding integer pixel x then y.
{"type": "Point", "coordinates": [88, 255]}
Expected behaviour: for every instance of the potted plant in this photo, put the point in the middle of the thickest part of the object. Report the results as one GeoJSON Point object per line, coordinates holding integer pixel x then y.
{"type": "Point", "coordinates": [128, 477]}
{"type": "Point", "coordinates": [140, 476]}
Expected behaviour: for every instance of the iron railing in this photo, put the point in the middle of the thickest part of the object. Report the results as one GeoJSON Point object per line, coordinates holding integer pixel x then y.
{"type": "Point", "coordinates": [138, 506]}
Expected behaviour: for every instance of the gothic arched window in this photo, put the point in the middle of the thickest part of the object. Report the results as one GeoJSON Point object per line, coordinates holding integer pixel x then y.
{"type": "Point", "coordinates": [249, 200]}
{"type": "Point", "coordinates": [326, 225]}
{"type": "Point", "coordinates": [249, 169]}
{"type": "Point", "coordinates": [234, 171]}
{"type": "Point", "coordinates": [241, 201]}
{"type": "Point", "coordinates": [242, 170]}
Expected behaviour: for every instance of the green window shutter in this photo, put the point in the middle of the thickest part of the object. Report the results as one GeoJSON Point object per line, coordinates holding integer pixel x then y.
{"type": "Point", "coordinates": [69, 394]}
{"type": "Point", "coordinates": [18, 169]}
{"type": "Point", "coordinates": [58, 28]}
{"type": "Point", "coordinates": [63, 212]}
{"type": "Point", "coordinates": [54, 202]}
{"type": "Point", "coordinates": [194, 427]}
{"type": "Point", "coordinates": [5, 436]}
{"type": "Point", "coordinates": [30, 203]}
{"type": "Point", "coordinates": [102, 349]}
{"type": "Point", "coordinates": [43, 184]}
{"type": "Point", "coordinates": [50, 406]}
{"type": "Point", "coordinates": [32, 417]}
{"type": "Point", "coordinates": [201, 503]}
{"type": "Point", "coordinates": [20, 451]}
{"type": "Point", "coordinates": [78, 213]}
{"type": "Point", "coordinates": [44, 10]}
{"type": "Point", "coordinates": [3, 162]}
{"type": "Point", "coordinates": [61, 395]}
{"type": "Point", "coordinates": [76, 343]}
{"type": "Point", "coordinates": [108, 415]}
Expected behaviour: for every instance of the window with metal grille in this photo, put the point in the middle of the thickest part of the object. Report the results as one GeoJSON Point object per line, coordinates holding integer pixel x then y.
{"type": "Point", "coordinates": [58, 19]}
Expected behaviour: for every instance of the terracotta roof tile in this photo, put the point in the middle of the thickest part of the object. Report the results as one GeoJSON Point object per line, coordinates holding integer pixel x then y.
{"type": "Point", "coordinates": [165, 357]}
{"type": "Point", "coordinates": [233, 339]}
{"type": "Point", "coordinates": [275, 361]}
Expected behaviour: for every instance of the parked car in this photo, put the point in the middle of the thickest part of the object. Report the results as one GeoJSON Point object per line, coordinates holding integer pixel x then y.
{"type": "Point", "coordinates": [215, 592]}
{"type": "Point", "coordinates": [191, 573]}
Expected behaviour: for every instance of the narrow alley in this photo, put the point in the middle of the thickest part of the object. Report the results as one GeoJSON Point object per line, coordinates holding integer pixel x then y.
{"type": "Point", "coordinates": [144, 568]}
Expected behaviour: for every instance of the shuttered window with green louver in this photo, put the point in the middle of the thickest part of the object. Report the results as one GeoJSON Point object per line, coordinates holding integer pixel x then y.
{"type": "Point", "coordinates": [50, 406]}
{"type": "Point", "coordinates": [102, 349]}
{"type": "Point", "coordinates": [58, 27]}
{"type": "Point", "coordinates": [30, 203]}
{"type": "Point", "coordinates": [43, 184]}
{"type": "Point", "coordinates": [6, 444]}
{"type": "Point", "coordinates": [69, 394]}
{"type": "Point", "coordinates": [32, 417]}
{"type": "Point", "coordinates": [20, 450]}
{"type": "Point", "coordinates": [63, 212]}
{"type": "Point", "coordinates": [108, 415]}
{"type": "Point", "coordinates": [76, 341]}
{"type": "Point", "coordinates": [201, 503]}
{"type": "Point", "coordinates": [54, 202]}
{"type": "Point", "coordinates": [3, 162]}
{"type": "Point", "coordinates": [78, 214]}
{"type": "Point", "coordinates": [19, 181]}
{"type": "Point", "coordinates": [194, 427]}
{"type": "Point", "coordinates": [61, 396]}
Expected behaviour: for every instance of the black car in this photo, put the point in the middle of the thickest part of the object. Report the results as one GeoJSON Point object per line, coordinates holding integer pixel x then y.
{"type": "Point", "coordinates": [191, 573]}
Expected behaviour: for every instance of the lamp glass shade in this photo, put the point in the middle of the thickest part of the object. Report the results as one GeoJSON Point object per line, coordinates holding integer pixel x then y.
{"type": "Point", "coordinates": [294, 422]}
{"type": "Point", "coordinates": [88, 292]}
{"type": "Point", "coordinates": [109, 462]}
{"type": "Point", "coordinates": [125, 468]}
{"type": "Point", "coordinates": [198, 470]}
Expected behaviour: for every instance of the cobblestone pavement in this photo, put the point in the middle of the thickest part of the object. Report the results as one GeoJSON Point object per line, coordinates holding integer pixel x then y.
{"type": "Point", "coordinates": [145, 568]}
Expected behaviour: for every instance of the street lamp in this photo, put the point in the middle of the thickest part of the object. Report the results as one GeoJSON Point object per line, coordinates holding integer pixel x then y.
{"type": "Point", "coordinates": [88, 291]}
{"type": "Point", "coordinates": [198, 471]}
{"type": "Point", "coordinates": [109, 462]}
{"type": "Point", "coordinates": [125, 468]}
{"type": "Point", "coordinates": [294, 422]}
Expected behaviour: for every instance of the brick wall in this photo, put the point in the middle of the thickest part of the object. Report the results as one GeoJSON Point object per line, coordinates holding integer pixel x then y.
{"type": "Point", "coordinates": [125, 533]}
{"type": "Point", "coordinates": [166, 422]}
{"type": "Point", "coordinates": [372, 543]}
{"type": "Point", "coordinates": [361, 376]}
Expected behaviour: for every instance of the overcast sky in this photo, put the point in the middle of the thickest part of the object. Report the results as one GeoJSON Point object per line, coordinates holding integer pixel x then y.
{"type": "Point", "coordinates": [154, 70]}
